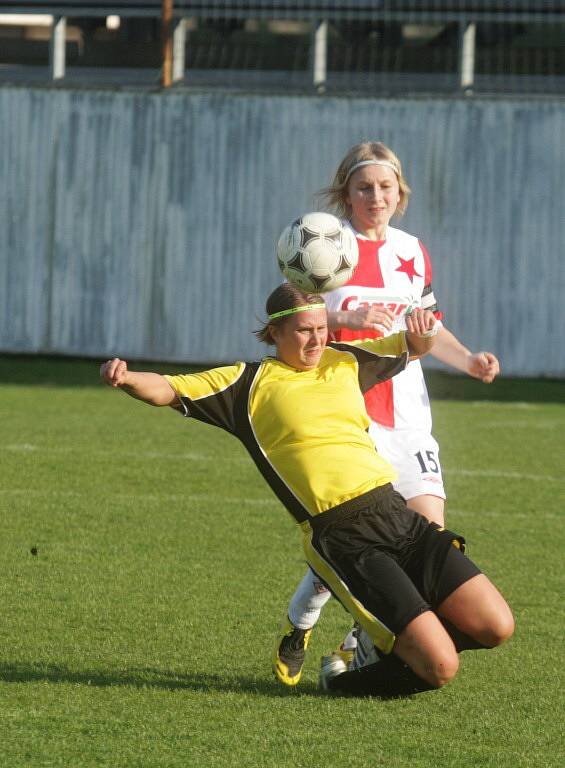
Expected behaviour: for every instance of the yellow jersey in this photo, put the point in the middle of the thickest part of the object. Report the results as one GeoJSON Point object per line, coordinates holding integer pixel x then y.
{"type": "Point", "coordinates": [305, 430]}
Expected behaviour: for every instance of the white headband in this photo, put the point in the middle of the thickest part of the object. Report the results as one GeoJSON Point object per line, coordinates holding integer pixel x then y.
{"type": "Point", "coordinates": [386, 163]}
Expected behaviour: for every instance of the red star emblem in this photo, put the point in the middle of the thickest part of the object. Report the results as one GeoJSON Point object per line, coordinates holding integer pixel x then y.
{"type": "Point", "coordinates": [407, 266]}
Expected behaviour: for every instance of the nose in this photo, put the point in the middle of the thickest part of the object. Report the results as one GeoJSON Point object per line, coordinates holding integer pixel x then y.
{"type": "Point", "coordinates": [316, 338]}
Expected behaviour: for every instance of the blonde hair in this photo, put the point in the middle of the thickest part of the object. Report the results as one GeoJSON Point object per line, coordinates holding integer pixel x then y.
{"type": "Point", "coordinates": [335, 196]}
{"type": "Point", "coordinates": [285, 296]}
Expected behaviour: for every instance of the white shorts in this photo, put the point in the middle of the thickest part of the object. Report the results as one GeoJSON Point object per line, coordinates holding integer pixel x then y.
{"type": "Point", "coordinates": [414, 454]}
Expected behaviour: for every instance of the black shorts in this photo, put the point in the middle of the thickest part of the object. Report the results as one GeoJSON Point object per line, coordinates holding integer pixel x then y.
{"type": "Point", "coordinates": [389, 560]}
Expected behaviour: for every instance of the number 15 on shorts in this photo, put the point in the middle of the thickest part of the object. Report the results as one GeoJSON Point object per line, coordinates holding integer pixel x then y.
{"type": "Point", "coordinates": [427, 461]}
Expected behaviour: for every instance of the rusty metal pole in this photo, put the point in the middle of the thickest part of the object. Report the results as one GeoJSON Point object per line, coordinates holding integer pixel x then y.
{"type": "Point", "coordinates": [167, 38]}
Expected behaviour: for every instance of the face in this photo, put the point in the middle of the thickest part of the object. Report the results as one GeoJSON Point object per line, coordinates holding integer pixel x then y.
{"type": "Point", "coordinates": [301, 339]}
{"type": "Point", "coordinates": [373, 194]}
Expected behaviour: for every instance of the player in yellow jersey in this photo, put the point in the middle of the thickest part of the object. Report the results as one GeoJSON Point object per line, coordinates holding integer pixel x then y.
{"type": "Point", "coordinates": [300, 414]}
{"type": "Point", "coordinates": [394, 271]}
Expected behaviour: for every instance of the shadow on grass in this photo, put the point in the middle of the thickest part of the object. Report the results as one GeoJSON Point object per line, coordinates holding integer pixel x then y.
{"type": "Point", "coordinates": [150, 678]}
{"type": "Point", "coordinates": [35, 370]}
{"type": "Point", "coordinates": [41, 371]}
{"type": "Point", "coordinates": [447, 386]}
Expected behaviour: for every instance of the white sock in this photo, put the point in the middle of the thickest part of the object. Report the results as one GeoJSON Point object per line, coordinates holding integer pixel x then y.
{"type": "Point", "coordinates": [350, 642]}
{"type": "Point", "coordinates": [307, 602]}
{"type": "Point", "coordinates": [365, 652]}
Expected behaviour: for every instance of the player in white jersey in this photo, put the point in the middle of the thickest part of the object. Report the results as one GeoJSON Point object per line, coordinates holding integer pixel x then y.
{"type": "Point", "coordinates": [393, 274]}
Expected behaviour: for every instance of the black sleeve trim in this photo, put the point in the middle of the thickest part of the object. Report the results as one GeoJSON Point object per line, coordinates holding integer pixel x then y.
{"type": "Point", "coordinates": [374, 368]}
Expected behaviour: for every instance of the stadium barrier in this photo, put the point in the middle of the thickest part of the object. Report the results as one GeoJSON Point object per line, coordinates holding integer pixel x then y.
{"type": "Point", "coordinates": [144, 224]}
{"type": "Point", "coordinates": [392, 45]}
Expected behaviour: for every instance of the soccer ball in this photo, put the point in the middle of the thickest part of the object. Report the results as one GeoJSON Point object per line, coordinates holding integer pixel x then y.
{"type": "Point", "coordinates": [317, 253]}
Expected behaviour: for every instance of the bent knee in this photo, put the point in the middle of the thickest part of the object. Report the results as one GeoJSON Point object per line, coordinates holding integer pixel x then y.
{"type": "Point", "coordinates": [443, 670]}
{"type": "Point", "coordinates": [499, 631]}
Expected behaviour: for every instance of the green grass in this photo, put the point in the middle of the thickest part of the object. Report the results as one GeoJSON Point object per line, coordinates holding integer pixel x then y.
{"type": "Point", "coordinates": [140, 633]}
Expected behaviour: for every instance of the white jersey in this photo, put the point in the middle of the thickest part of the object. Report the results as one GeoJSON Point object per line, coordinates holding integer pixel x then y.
{"type": "Point", "coordinates": [395, 273]}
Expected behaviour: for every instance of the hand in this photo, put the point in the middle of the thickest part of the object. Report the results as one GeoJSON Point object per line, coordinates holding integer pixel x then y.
{"type": "Point", "coordinates": [372, 318]}
{"type": "Point", "coordinates": [421, 322]}
{"type": "Point", "coordinates": [114, 372]}
{"type": "Point", "coordinates": [483, 366]}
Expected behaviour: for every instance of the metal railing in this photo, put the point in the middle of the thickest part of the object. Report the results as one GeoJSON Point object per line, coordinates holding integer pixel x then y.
{"type": "Point", "coordinates": [464, 15]}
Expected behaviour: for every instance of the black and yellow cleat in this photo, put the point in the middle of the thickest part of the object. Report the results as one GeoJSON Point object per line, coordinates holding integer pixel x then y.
{"type": "Point", "coordinates": [289, 651]}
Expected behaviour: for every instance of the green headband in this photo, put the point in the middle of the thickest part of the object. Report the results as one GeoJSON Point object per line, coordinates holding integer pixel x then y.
{"type": "Point", "coordinates": [292, 311]}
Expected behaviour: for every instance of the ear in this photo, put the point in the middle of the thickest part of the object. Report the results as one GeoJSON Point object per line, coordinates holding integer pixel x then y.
{"type": "Point", "coordinates": [274, 331]}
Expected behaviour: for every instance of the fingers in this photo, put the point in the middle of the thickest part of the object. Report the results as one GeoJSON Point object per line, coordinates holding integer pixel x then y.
{"type": "Point", "coordinates": [113, 372]}
{"type": "Point", "coordinates": [493, 364]}
{"type": "Point", "coordinates": [107, 371]}
{"type": "Point", "coordinates": [421, 322]}
{"type": "Point", "coordinates": [484, 366]}
{"type": "Point", "coordinates": [380, 318]}
{"type": "Point", "coordinates": [492, 368]}
{"type": "Point", "coordinates": [377, 318]}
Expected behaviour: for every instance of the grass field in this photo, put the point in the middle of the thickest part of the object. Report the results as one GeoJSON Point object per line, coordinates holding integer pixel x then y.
{"type": "Point", "coordinates": [140, 632]}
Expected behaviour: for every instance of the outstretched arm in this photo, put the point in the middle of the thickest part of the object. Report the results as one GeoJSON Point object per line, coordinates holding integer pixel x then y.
{"type": "Point", "coordinates": [151, 388]}
{"type": "Point", "coordinates": [449, 350]}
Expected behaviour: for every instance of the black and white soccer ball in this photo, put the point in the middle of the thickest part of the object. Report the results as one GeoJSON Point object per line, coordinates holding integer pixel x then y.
{"type": "Point", "coordinates": [317, 253]}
